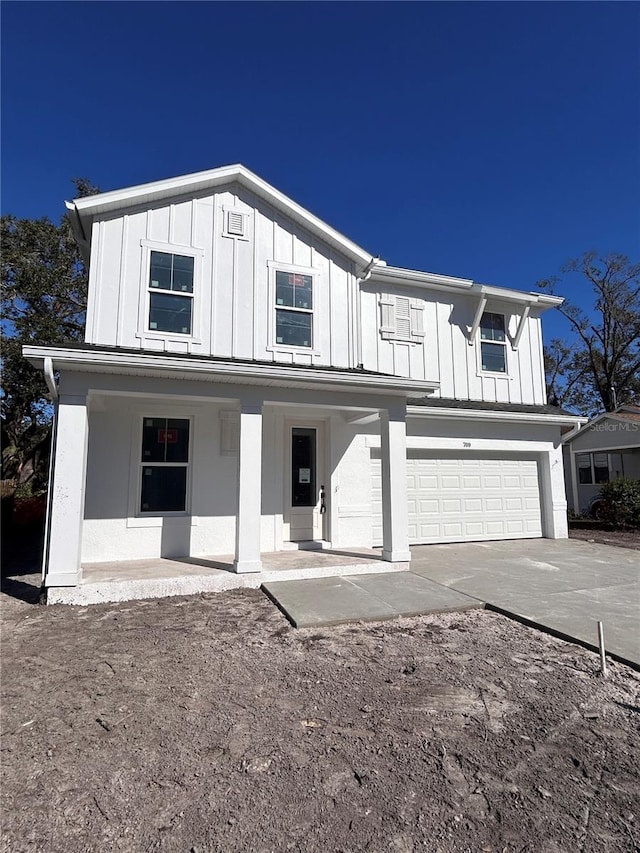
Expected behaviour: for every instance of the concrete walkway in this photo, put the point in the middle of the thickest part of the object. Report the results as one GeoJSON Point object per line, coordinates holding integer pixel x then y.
{"type": "Point", "coordinates": [362, 598]}
{"type": "Point", "coordinates": [563, 585]}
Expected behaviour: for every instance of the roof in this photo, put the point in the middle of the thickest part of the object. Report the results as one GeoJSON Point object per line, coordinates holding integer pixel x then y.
{"type": "Point", "coordinates": [435, 281]}
{"type": "Point", "coordinates": [626, 412]}
{"type": "Point", "coordinates": [95, 358]}
{"type": "Point", "coordinates": [481, 405]}
{"type": "Point", "coordinates": [84, 210]}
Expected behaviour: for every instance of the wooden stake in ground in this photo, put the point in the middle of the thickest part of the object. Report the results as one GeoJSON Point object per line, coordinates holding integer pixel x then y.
{"type": "Point", "coordinates": [603, 662]}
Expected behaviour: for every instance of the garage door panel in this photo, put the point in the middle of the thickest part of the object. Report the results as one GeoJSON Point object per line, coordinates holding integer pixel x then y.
{"type": "Point", "coordinates": [466, 499]}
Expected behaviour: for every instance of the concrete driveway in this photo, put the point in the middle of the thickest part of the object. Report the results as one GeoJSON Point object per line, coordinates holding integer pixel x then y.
{"type": "Point", "coordinates": [563, 585]}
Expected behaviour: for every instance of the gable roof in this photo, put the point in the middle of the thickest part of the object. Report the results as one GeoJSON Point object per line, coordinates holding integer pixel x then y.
{"type": "Point", "coordinates": [84, 210]}
{"type": "Point", "coordinates": [627, 412]}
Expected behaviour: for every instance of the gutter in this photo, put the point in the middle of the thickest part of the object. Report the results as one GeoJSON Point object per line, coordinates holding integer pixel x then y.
{"type": "Point", "coordinates": [484, 415]}
{"type": "Point", "coordinates": [226, 371]}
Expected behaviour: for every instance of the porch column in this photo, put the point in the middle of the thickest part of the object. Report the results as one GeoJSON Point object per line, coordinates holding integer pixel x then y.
{"type": "Point", "coordinates": [554, 502]}
{"type": "Point", "coordinates": [395, 511]}
{"type": "Point", "coordinates": [248, 515]}
{"type": "Point", "coordinates": [63, 548]}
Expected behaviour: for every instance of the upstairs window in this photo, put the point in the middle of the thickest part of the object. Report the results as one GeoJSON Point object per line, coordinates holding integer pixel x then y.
{"type": "Point", "coordinates": [164, 464]}
{"type": "Point", "coordinates": [294, 309]}
{"type": "Point", "coordinates": [493, 343]}
{"type": "Point", "coordinates": [171, 293]}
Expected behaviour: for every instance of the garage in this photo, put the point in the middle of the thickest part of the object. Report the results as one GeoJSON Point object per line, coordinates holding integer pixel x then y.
{"type": "Point", "coordinates": [465, 499]}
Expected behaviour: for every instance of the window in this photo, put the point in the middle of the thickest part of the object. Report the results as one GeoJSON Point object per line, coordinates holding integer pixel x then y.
{"type": "Point", "coordinates": [171, 293]}
{"type": "Point", "coordinates": [294, 309]}
{"type": "Point", "coordinates": [401, 319]}
{"type": "Point", "coordinates": [600, 468]}
{"type": "Point", "coordinates": [164, 463]}
{"type": "Point", "coordinates": [493, 346]}
{"type": "Point", "coordinates": [584, 469]}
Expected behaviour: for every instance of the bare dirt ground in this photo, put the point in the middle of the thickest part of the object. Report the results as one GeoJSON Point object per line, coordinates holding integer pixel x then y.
{"type": "Point", "coordinates": [209, 724]}
{"type": "Point", "coordinates": [623, 538]}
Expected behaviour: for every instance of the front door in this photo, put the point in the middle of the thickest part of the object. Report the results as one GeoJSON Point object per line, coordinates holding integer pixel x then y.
{"type": "Point", "coordinates": [304, 482]}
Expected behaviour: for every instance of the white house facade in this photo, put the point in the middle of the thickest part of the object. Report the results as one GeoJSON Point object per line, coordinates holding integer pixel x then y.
{"type": "Point", "coordinates": [253, 381]}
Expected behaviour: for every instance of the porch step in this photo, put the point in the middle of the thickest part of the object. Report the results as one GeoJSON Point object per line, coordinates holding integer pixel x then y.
{"type": "Point", "coordinates": [306, 545]}
{"type": "Point", "coordinates": [328, 571]}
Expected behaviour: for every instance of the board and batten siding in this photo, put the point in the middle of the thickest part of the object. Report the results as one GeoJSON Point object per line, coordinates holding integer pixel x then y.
{"type": "Point", "coordinates": [445, 356]}
{"type": "Point", "coordinates": [233, 314]}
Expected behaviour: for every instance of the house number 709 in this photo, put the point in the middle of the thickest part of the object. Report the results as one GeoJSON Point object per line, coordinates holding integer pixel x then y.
{"type": "Point", "coordinates": [466, 444]}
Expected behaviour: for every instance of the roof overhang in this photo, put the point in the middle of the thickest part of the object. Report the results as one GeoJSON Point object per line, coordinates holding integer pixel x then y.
{"type": "Point", "coordinates": [258, 373]}
{"type": "Point", "coordinates": [85, 210]}
{"type": "Point", "coordinates": [486, 415]}
{"type": "Point", "coordinates": [384, 274]}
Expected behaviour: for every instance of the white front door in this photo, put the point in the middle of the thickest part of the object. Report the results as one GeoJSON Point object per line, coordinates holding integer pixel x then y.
{"type": "Point", "coordinates": [304, 481]}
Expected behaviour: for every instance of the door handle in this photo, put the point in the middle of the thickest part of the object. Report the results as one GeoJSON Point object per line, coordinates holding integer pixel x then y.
{"type": "Point", "coordinates": [323, 506]}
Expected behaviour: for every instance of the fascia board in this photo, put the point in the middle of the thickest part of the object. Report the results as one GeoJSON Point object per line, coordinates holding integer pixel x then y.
{"type": "Point", "coordinates": [225, 370]}
{"type": "Point", "coordinates": [480, 415]}
{"type": "Point", "coordinates": [451, 284]}
{"type": "Point", "coordinates": [415, 278]}
{"type": "Point", "coordinates": [115, 200]}
{"type": "Point", "coordinates": [504, 294]}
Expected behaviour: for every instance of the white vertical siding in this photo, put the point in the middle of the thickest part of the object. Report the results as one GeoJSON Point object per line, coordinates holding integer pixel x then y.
{"type": "Point", "coordinates": [233, 317]}
{"type": "Point", "coordinates": [445, 354]}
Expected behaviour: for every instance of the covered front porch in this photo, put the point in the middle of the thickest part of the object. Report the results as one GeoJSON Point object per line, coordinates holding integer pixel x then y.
{"type": "Point", "coordinates": [251, 466]}
{"type": "Point", "coordinates": [127, 580]}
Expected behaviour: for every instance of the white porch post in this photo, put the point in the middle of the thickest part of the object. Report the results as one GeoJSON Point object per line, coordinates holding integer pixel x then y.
{"type": "Point", "coordinates": [554, 502]}
{"type": "Point", "coordinates": [247, 556]}
{"type": "Point", "coordinates": [395, 511]}
{"type": "Point", "coordinates": [62, 551]}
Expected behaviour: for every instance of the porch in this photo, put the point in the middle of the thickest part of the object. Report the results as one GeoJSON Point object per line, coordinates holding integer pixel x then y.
{"type": "Point", "coordinates": [127, 580]}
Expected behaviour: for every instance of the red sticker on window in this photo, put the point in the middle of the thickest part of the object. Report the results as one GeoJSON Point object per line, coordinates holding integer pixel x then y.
{"type": "Point", "coordinates": [167, 436]}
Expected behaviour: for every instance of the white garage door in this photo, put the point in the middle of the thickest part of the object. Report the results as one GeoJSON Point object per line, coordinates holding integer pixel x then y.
{"type": "Point", "coordinates": [468, 499]}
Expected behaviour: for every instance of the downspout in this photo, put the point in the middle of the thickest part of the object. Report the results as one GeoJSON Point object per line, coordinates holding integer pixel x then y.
{"type": "Point", "coordinates": [49, 378]}
{"type": "Point", "coordinates": [366, 274]}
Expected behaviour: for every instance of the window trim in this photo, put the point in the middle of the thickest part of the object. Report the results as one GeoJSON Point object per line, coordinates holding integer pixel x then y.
{"type": "Point", "coordinates": [295, 269]}
{"type": "Point", "coordinates": [135, 516]}
{"type": "Point", "coordinates": [144, 307]}
{"type": "Point", "coordinates": [592, 466]}
{"type": "Point", "coordinates": [142, 464]}
{"type": "Point", "coordinates": [494, 373]}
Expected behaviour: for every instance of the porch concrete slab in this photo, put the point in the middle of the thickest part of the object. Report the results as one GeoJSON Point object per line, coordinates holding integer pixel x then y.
{"type": "Point", "coordinates": [565, 586]}
{"type": "Point", "coordinates": [362, 598]}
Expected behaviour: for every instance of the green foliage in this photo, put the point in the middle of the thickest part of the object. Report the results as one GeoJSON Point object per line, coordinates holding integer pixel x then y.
{"type": "Point", "coordinates": [44, 293]}
{"type": "Point", "coordinates": [621, 502]}
{"type": "Point", "coordinates": [604, 353]}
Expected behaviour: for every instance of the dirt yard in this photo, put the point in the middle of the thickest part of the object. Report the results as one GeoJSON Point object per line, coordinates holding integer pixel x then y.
{"type": "Point", "coordinates": [627, 538]}
{"type": "Point", "coordinates": [209, 724]}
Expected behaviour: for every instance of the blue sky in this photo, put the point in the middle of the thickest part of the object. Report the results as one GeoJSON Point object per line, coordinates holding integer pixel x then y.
{"type": "Point", "coordinates": [487, 140]}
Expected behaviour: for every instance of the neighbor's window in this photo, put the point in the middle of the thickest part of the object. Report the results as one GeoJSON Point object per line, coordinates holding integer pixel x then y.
{"type": "Point", "coordinates": [294, 309]}
{"type": "Point", "coordinates": [584, 469]}
{"type": "Point", "coordinates": [601, 467]}
{"type": "Point", "coordinates": [493, 343]}
{"type": "Point", "coordinates": [164, 463]}
{"type": "Point", "coordinates": [171, 293]}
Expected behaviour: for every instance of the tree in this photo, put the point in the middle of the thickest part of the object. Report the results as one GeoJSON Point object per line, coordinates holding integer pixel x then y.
{"type": "Point", "coordinates": [44, 292]}
{"type": "Point", "coordinates": [600, 368]}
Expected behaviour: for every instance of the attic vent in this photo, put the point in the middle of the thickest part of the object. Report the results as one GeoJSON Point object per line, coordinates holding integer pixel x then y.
{"type": "Point", "coordinates": [235, 223]}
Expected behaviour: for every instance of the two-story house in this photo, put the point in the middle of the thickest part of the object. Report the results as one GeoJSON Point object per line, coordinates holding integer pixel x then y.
{"type": "Point", "coordinates": [251, 380]}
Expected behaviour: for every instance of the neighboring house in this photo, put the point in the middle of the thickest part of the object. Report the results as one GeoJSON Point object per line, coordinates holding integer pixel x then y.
{"type": "Point", "coordinates": [252, 381]}
{"type": "Point", "coordinates": [604, 449]}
